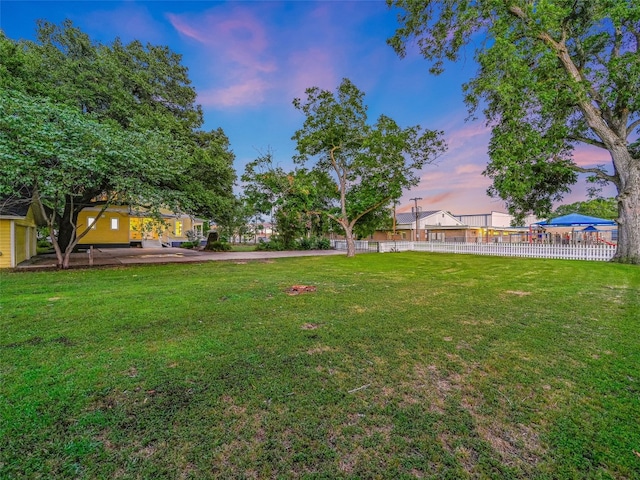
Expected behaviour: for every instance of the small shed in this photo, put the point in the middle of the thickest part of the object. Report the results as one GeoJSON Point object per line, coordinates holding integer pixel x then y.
{"type": "Point", "coordinates": [18, 231]}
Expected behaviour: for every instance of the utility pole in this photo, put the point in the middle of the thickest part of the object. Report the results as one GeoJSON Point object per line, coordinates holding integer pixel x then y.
{"type": "Point", "coordinates": [417, 215]}
{"type": "Point", "coordinates": [395, 204]}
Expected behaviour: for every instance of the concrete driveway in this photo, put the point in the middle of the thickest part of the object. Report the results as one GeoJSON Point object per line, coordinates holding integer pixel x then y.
{"type": "Point", "coordinates": [131, 256]}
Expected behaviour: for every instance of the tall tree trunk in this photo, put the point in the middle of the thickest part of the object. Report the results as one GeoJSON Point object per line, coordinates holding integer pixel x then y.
{"type": "Point", "coordinates": [351, 244]}
{"type": "Point", "coordinates": [67, 227]}
{"type": "Point", "coordinates": [67, 232]}
{"type": "Point", "coordinates": [628, 250]}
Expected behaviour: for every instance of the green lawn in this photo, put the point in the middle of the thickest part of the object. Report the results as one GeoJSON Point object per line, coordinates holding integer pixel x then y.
{"type": "Point", "coordinates": [399, 366]}
{"type": "Point", "coordinates": [243, 247]}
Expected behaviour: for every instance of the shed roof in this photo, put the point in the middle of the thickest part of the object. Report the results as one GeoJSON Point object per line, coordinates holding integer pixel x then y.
{"type": "Point", "coordinates": [14, 206]}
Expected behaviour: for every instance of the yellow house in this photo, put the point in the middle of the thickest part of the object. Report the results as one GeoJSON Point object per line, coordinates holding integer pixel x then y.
{"type": "Point", "coordinates": [18, 232]}
{"type": "Point", "coordinates": [121, 226]}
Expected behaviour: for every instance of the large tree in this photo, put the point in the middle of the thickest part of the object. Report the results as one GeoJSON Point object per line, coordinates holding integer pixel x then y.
{"type": "Point", "coordinates": [297, 200]}
{"type": "Point", "coordinates": [370, 165]}
{"type": "Point", "coordinates": [54, 154]}
{"type": "Point", "coordinates": [138, 94]}
{"type": "Point", "coordinates": [596, 207]}
{"type": "Point", "coordinates": [551, 75]}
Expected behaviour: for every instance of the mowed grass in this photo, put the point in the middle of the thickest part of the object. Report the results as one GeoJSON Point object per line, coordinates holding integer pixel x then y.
{"type": "Point", "coordinates": [404, 365]}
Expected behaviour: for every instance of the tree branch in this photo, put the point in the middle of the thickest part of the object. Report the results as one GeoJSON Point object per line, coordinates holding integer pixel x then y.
{"type": "Point", "coordinates": [598, 173]}
{"type": "Point", "coordinates": [353, 222]}
{"type": "Point", "coordinates": [617, 43]}
{"type": "Point", "coordinates": [589, 141]}
{"type": "Point", "coordinates": [632, 126]}
{"type": "Point", "coordinates": [107, 204]}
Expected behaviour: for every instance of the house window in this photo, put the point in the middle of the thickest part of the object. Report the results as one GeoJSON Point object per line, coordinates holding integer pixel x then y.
{"type": "Point", "coordinates": [91, 221]}
{"type": "Point", "coordinates": [114, 224]}
{"type": "Point", "coordinates": [178, 228]}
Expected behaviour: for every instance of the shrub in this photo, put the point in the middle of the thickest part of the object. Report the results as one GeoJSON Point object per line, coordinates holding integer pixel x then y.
{"type": "Point", "coordinates": [322, 243]}
{"type": "Point", "coordinates": [305, 244]}
{"type": "Point", "coordinates": [278, 244]}
{"type": "Point", "coordinates": [275, 244]}
{"type": "Point", "coordinates": [218, 247]}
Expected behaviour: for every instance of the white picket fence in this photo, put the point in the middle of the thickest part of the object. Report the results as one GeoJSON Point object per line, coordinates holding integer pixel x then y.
{"type": "Point", "coordinates": [530, 250]}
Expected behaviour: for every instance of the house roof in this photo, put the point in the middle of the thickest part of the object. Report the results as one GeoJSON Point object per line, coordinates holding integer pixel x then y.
{"type": "Point", "coordinates": [410, 217]}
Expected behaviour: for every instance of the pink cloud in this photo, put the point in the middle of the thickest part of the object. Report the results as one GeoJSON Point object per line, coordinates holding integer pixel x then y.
{"type": "Point", "coordinates": [181, 25]}
{"type": "Point", "coordinates": [470, 130]}
{"type": "Point", "coordinates": [590, 156]}
{"type": "Point", "coordinates": [311, 68]}
{"type": "Point", "coordinates": [469, 168]}
{"type": "Point", "coordinates": [251, 92]}
{"type": "Point", "coordinates": [236, 48]}
{"type": "Point", "coordinates": [456, 183]}
{"type": "Point", "coordinates": [249, 49]}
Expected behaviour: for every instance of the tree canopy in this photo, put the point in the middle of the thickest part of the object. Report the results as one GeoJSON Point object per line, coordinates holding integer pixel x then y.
{"type": "Point", "coordinates": [551, 75]}
{"type": "Point", "coordinates": [88, 124]}
{"type": "Point", "coordinates": [297, 201]}
{"type": "Point", "coordinates": [370, 165]}
{"type": "Point", "coordinates": [597, 207]}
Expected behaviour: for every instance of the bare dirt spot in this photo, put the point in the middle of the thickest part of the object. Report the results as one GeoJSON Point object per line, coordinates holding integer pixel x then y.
{"type": "Point", "coordinates": [519, 293]}
{"type": "Point", "coordinates": [309, 326]}
{"type": "Point", "coordinates": [298, 289]}
{"type": "Point", "coordinates": [66, 341]}
{"type": "Point", "coordinates": [316, 350]}
{"type": "Point", "coordinates": [188, 471]}
{"type": "Point", "coordinates": [147, 451]}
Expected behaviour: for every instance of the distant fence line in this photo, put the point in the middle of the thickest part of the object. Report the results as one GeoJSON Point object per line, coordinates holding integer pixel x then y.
{"type": "Point", "coordinates": [601, 253]}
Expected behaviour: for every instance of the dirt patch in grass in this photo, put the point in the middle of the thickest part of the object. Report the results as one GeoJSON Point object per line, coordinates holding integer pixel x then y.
{"type": "Point", "coordinates": [319, 349]}
{"type": "Point", "coordinates": [518, 293]}
{"type": "Point", "coordinates": [37, 341]}
{"type": "Point", "coordinates": [452, 393]}
{"type": "Point", "coordinates": [33, 341]}
{"type": "Point", "coordinates": [309, 326]}
{"type": "Point", "coordinates": [298, 289]}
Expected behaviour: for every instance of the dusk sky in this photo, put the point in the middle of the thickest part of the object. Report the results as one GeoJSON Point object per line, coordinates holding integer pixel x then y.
{"type": "Point", "coordinates": [248, 60]}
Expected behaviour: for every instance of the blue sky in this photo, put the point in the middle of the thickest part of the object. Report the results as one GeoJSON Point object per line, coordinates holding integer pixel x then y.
{"type": "Point", "coordinates": [248, 60]}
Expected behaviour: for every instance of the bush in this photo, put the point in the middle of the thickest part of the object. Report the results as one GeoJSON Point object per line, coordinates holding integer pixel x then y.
{"type": "Point", "coordinates": [305, 244]}
{"type": "Point", "coordinates": [275, 244]}
{"type": "Point", "coordinates": [322, 243]}
{"type": "Point", "coordinates": [218, 247]}
{"type": "Point", "coordinates": [193, 244]}
{"type": "Point", "coordinates": [313, 243]}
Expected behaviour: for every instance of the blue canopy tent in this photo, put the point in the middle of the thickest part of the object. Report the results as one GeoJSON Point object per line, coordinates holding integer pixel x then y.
{"type": "Point", "coordinates": [574, 220]}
